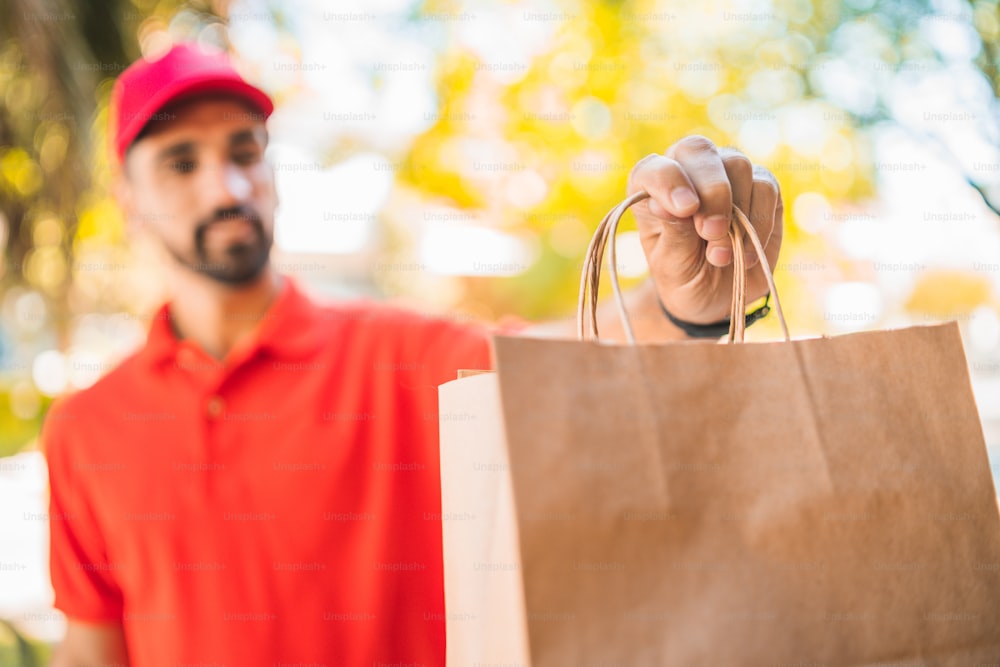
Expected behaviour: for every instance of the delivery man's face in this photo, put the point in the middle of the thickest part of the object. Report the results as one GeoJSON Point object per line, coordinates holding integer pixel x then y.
{"type": "Point", "coordinates": [198, 179]}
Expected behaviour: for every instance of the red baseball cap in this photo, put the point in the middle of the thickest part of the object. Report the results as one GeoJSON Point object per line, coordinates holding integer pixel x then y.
{"type": "Point", "coordinates": [147, 86]}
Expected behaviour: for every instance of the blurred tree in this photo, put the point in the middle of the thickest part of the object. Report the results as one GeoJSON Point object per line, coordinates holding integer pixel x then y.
{"type": "Point", "coordinates": [57, 60]}
{"type": "Point", "coordinates": [46, 106]}
{"type": "Point", "coordinates": [614, 82]}
{"type": "Point", "coordinates": [799, 85]}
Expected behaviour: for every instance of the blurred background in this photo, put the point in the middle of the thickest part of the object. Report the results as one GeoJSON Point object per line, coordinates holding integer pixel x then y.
{"type": "Point", "coordinates": [456, 156]}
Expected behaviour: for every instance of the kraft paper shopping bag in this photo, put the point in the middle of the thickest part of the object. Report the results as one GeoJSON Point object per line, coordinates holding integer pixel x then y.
{"type": "Point", "coordinates": [803, 502]}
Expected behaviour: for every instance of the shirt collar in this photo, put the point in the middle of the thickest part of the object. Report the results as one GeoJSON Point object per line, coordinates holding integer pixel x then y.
{"type": "Point", "coordinates": [288, 330]}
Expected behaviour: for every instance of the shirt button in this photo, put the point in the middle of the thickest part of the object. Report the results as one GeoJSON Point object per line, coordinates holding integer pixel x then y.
{"type": "Point", "coordinates": [215, 407]}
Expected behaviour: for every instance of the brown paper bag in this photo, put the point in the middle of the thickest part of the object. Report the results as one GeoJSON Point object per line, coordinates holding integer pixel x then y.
{"type": "Point", "coordinates": [809, 502]}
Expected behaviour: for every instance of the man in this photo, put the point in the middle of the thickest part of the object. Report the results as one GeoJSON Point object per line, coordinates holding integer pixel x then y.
{"type": "Point", "coordinates": [259, 484]}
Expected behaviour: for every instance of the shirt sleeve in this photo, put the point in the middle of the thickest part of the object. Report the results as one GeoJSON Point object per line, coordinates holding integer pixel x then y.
{"type": "Point", "coordinates": [82, 576]}
{"type": "Point", "coordinates": [461, 347]}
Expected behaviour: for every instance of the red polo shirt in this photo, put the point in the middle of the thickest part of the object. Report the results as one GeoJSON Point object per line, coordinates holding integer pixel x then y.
{"type": "Point", "coordinates": [279, 507]}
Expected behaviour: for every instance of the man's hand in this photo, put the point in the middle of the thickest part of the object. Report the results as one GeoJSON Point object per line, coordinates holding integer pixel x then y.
{"type": "Point", "coordinates": [684, 227]}
{"type": "Point", "coordinates": [684, 224]}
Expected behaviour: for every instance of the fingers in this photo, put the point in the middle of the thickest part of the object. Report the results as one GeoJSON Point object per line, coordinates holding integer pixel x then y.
{"type": "Point", "coordinates": [672, 194]}
{"type": "Point", "coordinates": [703, 164]}
{"type": "Point", "coordinates": [697, 181]}
{"type": "Point", "coordinates": [664, 220]}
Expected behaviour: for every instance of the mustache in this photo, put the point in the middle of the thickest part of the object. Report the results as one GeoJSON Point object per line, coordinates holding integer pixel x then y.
{"type": "Point", "coordinates": [242, 211]}
{"type": "Point", "coordinates": [222, 214]}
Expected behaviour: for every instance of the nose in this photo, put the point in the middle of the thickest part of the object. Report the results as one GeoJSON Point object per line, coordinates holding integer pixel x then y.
{"type": "Point", "coordinates": [227, 185]}
{"type": "Point", "coordinates": [236, 182]}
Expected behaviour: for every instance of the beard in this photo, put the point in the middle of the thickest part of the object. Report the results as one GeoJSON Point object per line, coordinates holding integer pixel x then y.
{"type": "Point", "coordinates": [239, 263]}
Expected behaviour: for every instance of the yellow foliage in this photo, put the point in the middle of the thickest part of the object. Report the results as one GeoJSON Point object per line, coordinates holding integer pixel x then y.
{"type": "Point", "coordinates": [100, 219]}
{"type": "Point", "coordinates": [20, 171]}
{"type": "Point", "coordinates": [946, 294]}
{"type": "Point", "coordinates": [616, 83]}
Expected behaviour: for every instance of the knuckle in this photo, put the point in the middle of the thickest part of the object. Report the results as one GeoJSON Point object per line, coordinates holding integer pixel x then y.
{"type": "Point", "coordinates": [659, 171]}
{"type": "Point", "coordinates": [767, 189]}
{"type": "Point", "coordinates": [718, 193]}
{"type": "Point", "coordinates": [643, 166]}
{"type": "Point", "coordinates": [738, 165]}
{"type": "Point", "coordinates": [762, 173]}
{"type": "Point", "coordinates": [646, 161]}
{"type": "Point", "coordinates": [763, 177]}
{"type": "Point", "coordinates": [696, 143]}
{"type": "Point", "coordinates": [727, 152]}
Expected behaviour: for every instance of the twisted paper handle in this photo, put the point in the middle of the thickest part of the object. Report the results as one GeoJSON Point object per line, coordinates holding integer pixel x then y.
{"type": "Point", "coordinates": [590, 278]}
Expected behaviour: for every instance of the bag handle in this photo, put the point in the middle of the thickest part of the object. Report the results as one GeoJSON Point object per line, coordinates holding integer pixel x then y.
{"type": "Point", "coordinates": [590, 278]}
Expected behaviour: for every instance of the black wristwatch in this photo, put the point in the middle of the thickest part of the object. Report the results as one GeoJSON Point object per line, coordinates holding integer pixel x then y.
{"type": "Point", "coordinates": [715, 329]}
